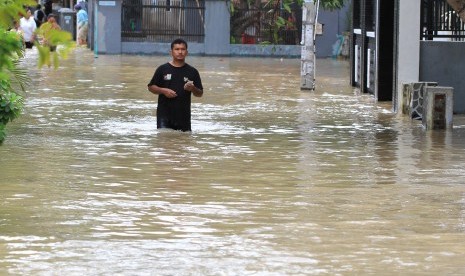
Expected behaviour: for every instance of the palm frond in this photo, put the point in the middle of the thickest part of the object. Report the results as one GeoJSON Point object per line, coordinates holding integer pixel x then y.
{"type": "Point", "coordinates": [19, 78]}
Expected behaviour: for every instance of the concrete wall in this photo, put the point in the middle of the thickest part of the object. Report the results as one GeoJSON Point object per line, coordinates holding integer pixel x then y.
{"type": "Point", "coordinates": [408, 55]}
{"type": "Point", "coordinates": [153, 48]}
{"type": "Point", "coordinates": [442, 62]}
{"type": "Point", "coordinates": [334, 23]}
{"type": "Point", "coordinates": [288, 51]}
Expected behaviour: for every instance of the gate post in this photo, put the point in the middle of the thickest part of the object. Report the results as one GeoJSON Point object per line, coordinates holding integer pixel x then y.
{"type": "Point", "coordinates": [217, 29]}
{"type": "Point", "coordinates": [106, 26]}
{"type": "Point", "coordinates": [438, 108]}
{"type": "Point", "coordinates": [307, 69]}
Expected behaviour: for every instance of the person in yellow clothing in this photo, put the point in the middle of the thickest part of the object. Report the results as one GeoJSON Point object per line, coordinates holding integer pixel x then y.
{"type": "Point", "coordinates": [45, 29]}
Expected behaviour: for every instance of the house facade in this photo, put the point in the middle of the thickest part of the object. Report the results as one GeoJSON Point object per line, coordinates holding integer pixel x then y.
{"type": "Point", "coordinates": [395, 43]}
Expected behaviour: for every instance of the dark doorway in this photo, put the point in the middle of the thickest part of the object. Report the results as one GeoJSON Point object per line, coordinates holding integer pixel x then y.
{"type": "Point", "coordinates": [386, 50]}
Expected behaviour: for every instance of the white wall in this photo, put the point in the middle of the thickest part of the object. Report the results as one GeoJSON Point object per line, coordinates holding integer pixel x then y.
{"type": "Point", "coordinates": [408, 44]}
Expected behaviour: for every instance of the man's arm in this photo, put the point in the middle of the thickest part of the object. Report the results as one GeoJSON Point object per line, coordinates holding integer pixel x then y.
{"type": "Point", "coordinates": [161, 91]}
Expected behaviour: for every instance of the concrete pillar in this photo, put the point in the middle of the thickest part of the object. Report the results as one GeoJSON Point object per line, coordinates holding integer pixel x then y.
{"type": "Point", "coordinates": [307, 70]}
{"type": "Point", "coordinates": [107, 26]}
{"type": "Point", "coordinates": [217, 27]}
{"type": "Point", "coordinates": [408, 47]}
{"type": "Point", "coordinates": [438, 107]}
{"type": "Point", "coordinates": [412, 100]}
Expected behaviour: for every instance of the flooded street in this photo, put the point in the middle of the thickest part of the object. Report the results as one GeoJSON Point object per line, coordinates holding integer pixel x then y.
{"type": "Point", "coordinates": [271, 181]}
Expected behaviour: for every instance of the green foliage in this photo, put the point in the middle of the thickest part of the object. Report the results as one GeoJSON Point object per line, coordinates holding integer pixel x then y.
{"type": "Point", "coordinates": [274, 23]}
{"type": "Point", "coordinates": [11, 9]}
{"type": "Point", "coordinates": [2, 133]}
{"type": "Point", "coordinates": [332, 4]}
{"type": "Point", "coordinates": [18, 78]}
{"type": "Point", "coordinates": [10, 50]}
{"type": "Point", "coordinates": [11, 106]}
{"type": "Point", "coordinates": [13, 78]}
{"type": "Point", "coordinates": [53, 38]}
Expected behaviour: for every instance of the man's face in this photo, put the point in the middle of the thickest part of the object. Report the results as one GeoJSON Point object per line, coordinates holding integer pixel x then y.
{"type": "Point", "coordinates": [179, 51]}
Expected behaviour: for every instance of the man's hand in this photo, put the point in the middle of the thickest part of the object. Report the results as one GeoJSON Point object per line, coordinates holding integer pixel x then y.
{"type": "Point", "coordinates": [189, 86]}
{"type": "Point", "coordinates": [169, 93]}
{"type": "Point", "coordinates": [162, 91]}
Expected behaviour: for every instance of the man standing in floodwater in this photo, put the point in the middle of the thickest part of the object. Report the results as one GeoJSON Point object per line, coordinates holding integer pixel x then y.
{"type": "Point", "coordinates": [174, 82]}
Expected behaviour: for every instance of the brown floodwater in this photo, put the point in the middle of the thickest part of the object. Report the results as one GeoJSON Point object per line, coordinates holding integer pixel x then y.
{"type": "Point", "coordinates": [271, 181]}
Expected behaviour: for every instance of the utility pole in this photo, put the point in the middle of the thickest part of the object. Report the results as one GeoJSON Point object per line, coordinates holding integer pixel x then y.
{"type": "Point", "coordinates": [307, 70]}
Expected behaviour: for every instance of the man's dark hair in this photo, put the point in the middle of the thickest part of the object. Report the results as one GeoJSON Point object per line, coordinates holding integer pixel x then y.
{"type": "Point", "coordinates": [178, 41]}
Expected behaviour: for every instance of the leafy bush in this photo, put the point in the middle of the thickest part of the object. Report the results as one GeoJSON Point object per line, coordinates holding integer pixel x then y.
{"type": "Point", "coordinates": [12, 78]}
{"type": "Point", "coordinates": [11, 105]}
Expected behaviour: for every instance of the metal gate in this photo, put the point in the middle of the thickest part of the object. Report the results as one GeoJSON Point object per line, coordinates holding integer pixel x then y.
{"type": "Point", "coordinates": [162, 20]}
{"type": "Point", "coordinates": [440, 22]}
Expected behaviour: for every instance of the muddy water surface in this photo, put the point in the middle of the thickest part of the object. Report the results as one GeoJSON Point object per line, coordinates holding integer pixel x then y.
{"type": "Point", "coordinates": [271, 181]}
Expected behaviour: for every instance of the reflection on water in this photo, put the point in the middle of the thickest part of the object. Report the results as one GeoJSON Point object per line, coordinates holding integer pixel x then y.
{"type": "Point", "coordinates": [272, 180]}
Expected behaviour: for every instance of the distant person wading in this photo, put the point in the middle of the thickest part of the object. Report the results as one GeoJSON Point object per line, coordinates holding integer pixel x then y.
{"type": "Point", "coordinates": [39, 15]}
{"type": "Point", "coordinates": [82, 25]}
{"type": "Point", "coordinates": [28, 26]}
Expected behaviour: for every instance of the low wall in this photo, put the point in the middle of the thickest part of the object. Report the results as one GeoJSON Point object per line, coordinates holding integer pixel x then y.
{"type": "Point", "coordinates": [442, 62]}
{"type": "Point", "coordinates": [151, 48]}
{"type": "Point", "coordinates": [265, 50]}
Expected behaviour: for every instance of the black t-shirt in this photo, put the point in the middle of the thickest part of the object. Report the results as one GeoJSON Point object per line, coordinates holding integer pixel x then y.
{"type": "Point", "coordinates": [39, 15]}
{"type": "Point", "coordinates": [48, 6]}
{"type": "Point", "coordinates": [175, 112]}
